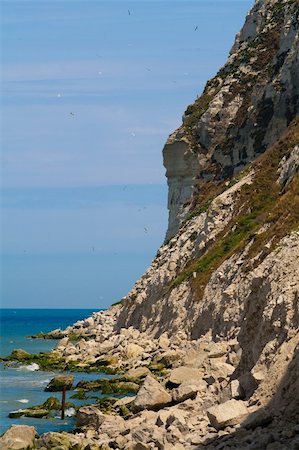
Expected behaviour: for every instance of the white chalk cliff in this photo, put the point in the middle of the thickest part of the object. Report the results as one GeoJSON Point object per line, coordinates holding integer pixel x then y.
{"type": "Point", "coordinates": [222, 295]}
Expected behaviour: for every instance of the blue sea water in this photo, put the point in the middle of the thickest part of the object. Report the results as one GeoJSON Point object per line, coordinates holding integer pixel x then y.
{"type": "Point", "coordinates": [21, 387]}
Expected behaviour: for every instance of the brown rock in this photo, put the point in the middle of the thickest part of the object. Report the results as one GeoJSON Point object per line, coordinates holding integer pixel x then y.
{"type": "Point", "coordinates": [151, 395]}
{"type": "Point", "coordinates": [231, 412]}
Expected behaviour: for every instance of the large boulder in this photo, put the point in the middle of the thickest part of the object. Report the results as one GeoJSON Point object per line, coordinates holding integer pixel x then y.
{"type": "Point", "coordinates": [89, 416]}
{"type": "Point", "coordinates": [151, 395]}
{"type": "Point", "coordinates": [231, 412]}
{"type": "Point", "coordinates": [182, 374]}
{"type": "Point", "coordinates": [18, 437]}
{"type": "Point", "coordinates": [59, 382]}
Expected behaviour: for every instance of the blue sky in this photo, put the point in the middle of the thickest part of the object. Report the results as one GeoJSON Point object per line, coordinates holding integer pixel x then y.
{"type": "Point", "coordinates": [90, 92]}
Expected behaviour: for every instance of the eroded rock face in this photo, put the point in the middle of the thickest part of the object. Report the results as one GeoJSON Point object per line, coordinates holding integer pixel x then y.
{"type": "Point", "coordinates": [242, 111]}
{"type": "Point", "coordinates": [213, 323]}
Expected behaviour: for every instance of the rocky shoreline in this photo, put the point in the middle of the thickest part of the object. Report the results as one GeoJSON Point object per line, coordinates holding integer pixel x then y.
{"type": "Point", "coordinates": [203, 351]}
{"type": "Point", "coordinates": [186, 394]}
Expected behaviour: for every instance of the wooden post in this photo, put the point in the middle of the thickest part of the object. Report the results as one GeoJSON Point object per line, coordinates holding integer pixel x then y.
{"type": "Point", "coordinates": [63, 402]}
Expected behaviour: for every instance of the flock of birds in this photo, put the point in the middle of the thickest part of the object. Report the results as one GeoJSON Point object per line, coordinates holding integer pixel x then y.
{"type": "Point", "coordinates": [72, 114]}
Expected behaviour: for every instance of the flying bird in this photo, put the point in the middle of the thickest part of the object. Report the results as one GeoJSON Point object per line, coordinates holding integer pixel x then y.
{"type": "Point", "coordinates": [129, 12]}
{"type": "Point", "coordinates": [72, 114]}
{"type": "Point", "coordinates": [196, 28]}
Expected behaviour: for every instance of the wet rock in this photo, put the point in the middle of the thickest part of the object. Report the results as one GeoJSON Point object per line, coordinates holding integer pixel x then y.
{"type": "Point", "coordinates": [59, 382]}
{"type": "Point", "coordinates": [19, 355]}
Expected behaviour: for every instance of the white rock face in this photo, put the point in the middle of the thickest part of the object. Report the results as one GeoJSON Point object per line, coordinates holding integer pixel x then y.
{"type": "Point", "coordinates": [245, 108]}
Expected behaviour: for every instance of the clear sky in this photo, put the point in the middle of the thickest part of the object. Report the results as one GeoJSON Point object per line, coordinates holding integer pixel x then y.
{"type": "Point", "coordinates": [90, 92]}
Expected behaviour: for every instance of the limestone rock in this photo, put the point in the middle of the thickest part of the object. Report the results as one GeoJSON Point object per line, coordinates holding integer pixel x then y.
{"type": "Point", "coordinates": [182, 374]}
{"type": "Point", "coordinates": [188, 389]}
{"type": "Point", "coordinates": [18, 437]}
{"type": "Point", "coordinates": [133, 350]}
{"type": "Point", "coordinates": [231, 412]}
{"type": "Point", "coordinates": [137, 372]}
{"type": "Point", "coordinates": [151, 395]}
{"type": "Point", "coordinates": [89, 416]}
{"type": "Point", "coordinates": [236, 389]}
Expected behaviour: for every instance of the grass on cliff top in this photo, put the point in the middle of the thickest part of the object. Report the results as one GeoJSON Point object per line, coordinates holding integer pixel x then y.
{"type": "Point", "coordinates": [264, 202]}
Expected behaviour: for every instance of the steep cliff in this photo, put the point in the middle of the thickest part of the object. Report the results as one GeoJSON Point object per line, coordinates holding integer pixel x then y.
{"type": "Point", "coordinates": [220, 301]}
{"type": "Point", "coordinates": [242, 110]}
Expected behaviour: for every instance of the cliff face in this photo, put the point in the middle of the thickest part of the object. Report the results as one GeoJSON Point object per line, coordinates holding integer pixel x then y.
{"type": "Point", "coordinates": [222, 294]}
{"type": "Point", "coordinates": [242, 110]}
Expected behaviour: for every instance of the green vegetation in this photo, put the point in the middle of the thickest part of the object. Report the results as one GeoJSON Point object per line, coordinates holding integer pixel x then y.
{"type": "Point", "coordinates": [261, 203]}
{"type": "Point", "coordinates": [109, 386]}
{"type": "Point", "coordinates": [40, 411]}
{"type": "Point", "coordinates": [53, 361]}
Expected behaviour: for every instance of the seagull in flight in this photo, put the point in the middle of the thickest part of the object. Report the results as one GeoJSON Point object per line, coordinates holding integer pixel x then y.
{"type": "Point", "coordinates": [129, 12]}
{"type": "Point", "coordinates": [72, 114]}
{"type": "Point", "coordinates": [196, 28]}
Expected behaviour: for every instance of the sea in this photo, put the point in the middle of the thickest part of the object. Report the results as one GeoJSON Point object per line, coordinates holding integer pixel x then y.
{"type": "Point", "coordinates": [23, 386]}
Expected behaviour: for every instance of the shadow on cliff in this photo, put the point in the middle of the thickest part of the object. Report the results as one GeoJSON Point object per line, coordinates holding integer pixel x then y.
{"type": "Point", "coordinates": [275, 422]}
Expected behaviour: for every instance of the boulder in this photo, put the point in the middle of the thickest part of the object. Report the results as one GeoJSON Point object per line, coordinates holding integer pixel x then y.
{"type": "Point", "coordinates": [18, 437]}
{"type": "Point", "coordinates": [124, 401]}
{"type": "Point", "coordinates": [54, 440]}
{"type": "Point", "coordinates": [89, 416]}
{"type": "Point", "coordinates": [133, 351]}
{"type": "Point", "coordinates": [19, 354]}
{"type": "Point", "coordinates": [188, 389]}
{"type": "Point", "coordinates": [181, 374]}
{"type": "Point", "coordinates": [59, 382]}
{"type": "Point", "coordinates": [151, 395]}
{"type": "Point", "coordinates": [258, 418]}
{"type": "Point", "coordinates": [221, 370]}
{"type": "Point", "coordinates": [236, 389]}
{"type": "Point", "coordinates": [231, 412]}
{"type": "Point", "coordinates": [138, 372]}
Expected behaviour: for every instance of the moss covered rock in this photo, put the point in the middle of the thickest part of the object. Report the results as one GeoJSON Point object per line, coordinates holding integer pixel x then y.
{"type": "Point", "coordinates": [59, 382]}
{"type": "Point", "coordinates": [19, 355]}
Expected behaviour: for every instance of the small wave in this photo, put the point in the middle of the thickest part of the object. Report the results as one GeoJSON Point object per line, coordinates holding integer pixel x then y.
{"type": "Point", "coordinates": [31, 367]}
{"type": "Point", "coordinates": [23, 400]}
{"type": "Point", "coordinates": [69, 412]}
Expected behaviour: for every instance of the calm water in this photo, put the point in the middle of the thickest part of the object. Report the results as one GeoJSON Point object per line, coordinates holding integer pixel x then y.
{"type": "Point", "coordinates": [22, 387]}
